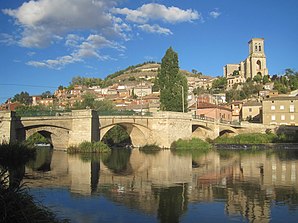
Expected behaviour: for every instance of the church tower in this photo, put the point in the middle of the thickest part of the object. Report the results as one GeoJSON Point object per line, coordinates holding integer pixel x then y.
{"type": "Point", "coordinates": [256, 61]}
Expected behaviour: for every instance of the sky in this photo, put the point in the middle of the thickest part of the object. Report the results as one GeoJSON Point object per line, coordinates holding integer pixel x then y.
{"type": "Point", "coordinates": [45, 43]}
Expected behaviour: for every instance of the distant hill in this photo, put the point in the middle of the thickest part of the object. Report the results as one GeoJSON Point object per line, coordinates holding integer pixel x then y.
{"type": "Point", "coordinates": [147, 70]}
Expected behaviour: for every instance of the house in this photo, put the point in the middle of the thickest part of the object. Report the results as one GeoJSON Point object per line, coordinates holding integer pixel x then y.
{"type": "Point", "coordinates": [252, 111]}
{"type": "Point", "coordinates": [281, 110]}
{"type": "Point", "coordinates": [236, 107]}
{"type": "Point", "coordinates": [213, 112]}
{"type": "Point", "coordinates": [9, 106]}
{"type": "Point", "coordinates": [142, 90]}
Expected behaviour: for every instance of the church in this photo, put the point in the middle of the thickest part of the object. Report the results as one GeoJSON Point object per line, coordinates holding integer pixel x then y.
{"type": "Point", "coordinates": [254, 64]}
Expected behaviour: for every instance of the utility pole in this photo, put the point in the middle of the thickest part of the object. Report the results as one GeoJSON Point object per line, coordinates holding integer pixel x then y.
{"type": "Point", "coordinates": [182, 89]}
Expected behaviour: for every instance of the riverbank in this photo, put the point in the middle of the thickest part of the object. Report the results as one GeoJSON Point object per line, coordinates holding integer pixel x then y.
{"type": "Point", "coordinates": [257, 146]}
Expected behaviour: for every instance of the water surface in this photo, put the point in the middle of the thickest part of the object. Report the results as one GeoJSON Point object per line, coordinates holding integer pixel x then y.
{"type": "Point", "coordinates": [133, 186]}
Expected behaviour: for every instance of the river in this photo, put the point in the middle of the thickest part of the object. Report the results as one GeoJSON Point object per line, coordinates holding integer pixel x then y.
{"type": "Point", "coordinates": [164, 186]}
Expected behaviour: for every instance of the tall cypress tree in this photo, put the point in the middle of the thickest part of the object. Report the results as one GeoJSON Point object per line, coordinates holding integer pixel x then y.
{"type": "Point", "coordinates": [171, 83]}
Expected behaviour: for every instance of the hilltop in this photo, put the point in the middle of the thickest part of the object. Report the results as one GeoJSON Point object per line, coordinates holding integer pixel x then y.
{"type": "Point", "coordinates": [146, 71]}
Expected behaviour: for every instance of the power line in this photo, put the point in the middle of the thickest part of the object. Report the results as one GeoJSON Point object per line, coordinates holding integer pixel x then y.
{"type": "Point", "coordinates": [28, 85]}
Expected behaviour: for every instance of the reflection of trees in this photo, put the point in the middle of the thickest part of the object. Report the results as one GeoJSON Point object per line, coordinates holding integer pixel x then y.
{"type": "Point", "coordinates": [118, 161]}
{"type": "Point", "coordinates": [42, 161]}
{"type": "Point", "coordinates": [95, 167]}
{"type": "Point", "coordinates": [173, 202]}
{"type": "Point", "coordinates": [288, 196]}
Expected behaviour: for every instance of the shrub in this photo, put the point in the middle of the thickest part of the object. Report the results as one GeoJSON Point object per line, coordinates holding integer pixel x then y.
{"type": "Point", "coordinates": [89, 147]}
{"type": "Point", "coordinates": [247, 138]}
{"type": "Point", "coordinates": [150, 149]}
{"type": "Point", "coordinates": [17, 205]}
{"type": "Point", "coordinates": [192, 144]}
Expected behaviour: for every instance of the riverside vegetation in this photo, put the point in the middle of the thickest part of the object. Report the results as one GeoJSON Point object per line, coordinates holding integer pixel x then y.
{"type": "Point", "coordinates": [89, 147]}
{"type": "Point", "coordinates": [16, 204]}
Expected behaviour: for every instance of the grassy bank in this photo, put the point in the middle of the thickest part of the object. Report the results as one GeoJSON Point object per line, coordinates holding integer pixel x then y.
{"type": "Point", "coordinates": [89, 147]}
{"type": "Point", "coordinates": [256, 138]}
{"type": "Point", "coordinates": [192, 144]}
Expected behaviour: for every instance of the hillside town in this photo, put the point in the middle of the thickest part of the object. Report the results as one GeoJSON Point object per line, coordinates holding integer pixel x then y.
{"type": "Point", "coordinates": [217, 98]}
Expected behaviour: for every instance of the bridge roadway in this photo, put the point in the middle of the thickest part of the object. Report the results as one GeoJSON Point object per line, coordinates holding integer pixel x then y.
{"type": "Point", "coordinates": [161, 128]}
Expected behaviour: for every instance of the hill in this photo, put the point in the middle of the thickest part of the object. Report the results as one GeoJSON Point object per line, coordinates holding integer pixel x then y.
{"type": "Point", "coordinates": [147, 71]}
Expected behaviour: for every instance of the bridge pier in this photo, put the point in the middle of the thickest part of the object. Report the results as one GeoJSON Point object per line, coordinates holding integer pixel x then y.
{"type": "Point", "coordinates": [85, 127]}
{"type": "Point", "coordinates": [7, 127]}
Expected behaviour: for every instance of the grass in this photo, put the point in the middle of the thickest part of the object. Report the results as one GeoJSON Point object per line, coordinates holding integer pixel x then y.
{"type": "Point", "coordinates": [192, 144]}
{"type": "Point", "coordinates": [89, 147]}
{"type": "Point", "coordinates": [150, 149]}
{"type": "Point", "coordinates": [255, 138]}
{"type": "Point", "coordinates": [17, 205]}
{"type": "Point", "coordinates": [15, 154]}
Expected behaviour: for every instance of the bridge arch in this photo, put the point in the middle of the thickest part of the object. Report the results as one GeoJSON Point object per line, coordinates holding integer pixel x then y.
{"type": "Point", "coordinates": [230, 131]}
{"type": "Point", "coordinates": [139, 135]}
{"type": "Point", "coordinates": [57, 136]}
{"type": "Point", "coordinates": [201, 131]}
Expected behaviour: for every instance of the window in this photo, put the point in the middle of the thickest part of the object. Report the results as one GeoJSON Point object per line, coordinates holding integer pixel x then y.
{"type": "Point", "coordinates": [282, 107]}
{"type": "Point", "coordinates": [250, 109]}
{"type": "Point", "coordinates": [292, 108]}
{"type": "Point", "coordinates": [292, 117]}
{"type": "Point", "coordinates": [260, 48]}
{"type": "Point", "coordinates": [272, 107]}
{"type": "Point", "coordinates": [272, 117]}
{"type": "Point", "coordinates": [283, 117]}
{"type": "Point", "coordinates": [256, 48]}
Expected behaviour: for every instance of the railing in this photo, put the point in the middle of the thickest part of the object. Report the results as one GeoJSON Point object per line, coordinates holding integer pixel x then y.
{"type": "Point", "coordinates": [222, 121]}
{"type": "Point", "coordinates": [123, 113]}
{"type": "Point", "coordinates": [39, 113]}
{"type": "Point", "coordinates": [204, 118]}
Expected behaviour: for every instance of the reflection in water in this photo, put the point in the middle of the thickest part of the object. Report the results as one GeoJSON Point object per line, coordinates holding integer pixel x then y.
{"type": "Point", "coordinates": [251, 185]}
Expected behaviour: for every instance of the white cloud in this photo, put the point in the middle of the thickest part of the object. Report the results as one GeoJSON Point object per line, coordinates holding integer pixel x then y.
{"type": "Point", "coordinates": [7, 39]}
{"type": "Point", "coordinates": [215, 14]}
{"type": "Point", "coordinates": [42, 20]}
{"type": "Point", "coordinates": [155, 11]}
{"type": "Point", "coordinates": [89, 47]}
{"type": "Point", "coordinates": [155, 29]}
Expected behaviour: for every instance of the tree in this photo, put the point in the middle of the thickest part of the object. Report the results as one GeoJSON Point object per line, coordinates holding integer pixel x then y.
{"type": "Point", "coordinates": [266, 79]}
{"type": "Point", "coordinates": [219, 84]}
{"type": "Point", "coordinates": [258, 78]}
{"type": "Point", "coordinates": [23, 98]}
{"type": "Point", "coordinates": [173, 86]}
{"type": "Point", "coordinates": [46, 94]}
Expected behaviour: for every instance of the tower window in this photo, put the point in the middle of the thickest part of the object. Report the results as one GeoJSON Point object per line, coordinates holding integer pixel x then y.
{"type": "Point", "coordinates": [260, 48]}
{"type": "Point", "coordinates": [256, 48]}
{"type": "Point", "coordinates": [259, 65]}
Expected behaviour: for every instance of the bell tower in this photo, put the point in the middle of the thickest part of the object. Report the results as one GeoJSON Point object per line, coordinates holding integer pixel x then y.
{"type": "Point", "coordinates": [256, 47]}
{"type": "Point", "coordinates": [256, 61]}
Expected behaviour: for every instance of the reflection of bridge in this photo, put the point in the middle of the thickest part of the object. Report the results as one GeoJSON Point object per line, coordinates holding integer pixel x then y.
{"type": "Point", "coordinates": [162, 128]}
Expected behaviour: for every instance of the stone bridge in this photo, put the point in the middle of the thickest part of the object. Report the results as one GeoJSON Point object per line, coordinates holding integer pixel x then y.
{"type": "Point", "coordinates": [162, 128]}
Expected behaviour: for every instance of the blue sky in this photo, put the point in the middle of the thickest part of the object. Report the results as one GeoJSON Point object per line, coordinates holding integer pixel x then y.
{"type": "Point", "coordinates": [44, 43]}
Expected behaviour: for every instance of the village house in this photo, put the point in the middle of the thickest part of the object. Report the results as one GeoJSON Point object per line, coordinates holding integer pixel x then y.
{"type": "Point", "coordinates": [281, 110]}
{"type": "Point", "coordinates": [214, 112]}
{"type": "Point", "coordinates": [252, 111]}
{"type": "Point", "coordinates": [10, 106]}
{"type": "Point", "coordinates": [236, 107]}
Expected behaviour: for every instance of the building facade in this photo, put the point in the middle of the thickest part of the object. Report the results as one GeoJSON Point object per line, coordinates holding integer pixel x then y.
{"type": "Point", "coordinates": [254, 64]}
{"type": "Point", "coordinates": [281, 110]}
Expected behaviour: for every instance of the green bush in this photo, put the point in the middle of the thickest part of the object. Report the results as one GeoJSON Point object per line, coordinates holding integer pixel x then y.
{"type": "Point", "coordinates": [247, 138]}
{"type": "Point", "coordinates": [36, 138]}
{"type": "Point", "coordinates": [89, 147]}
{"type": "Point", "coordinates": [192, 144]}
